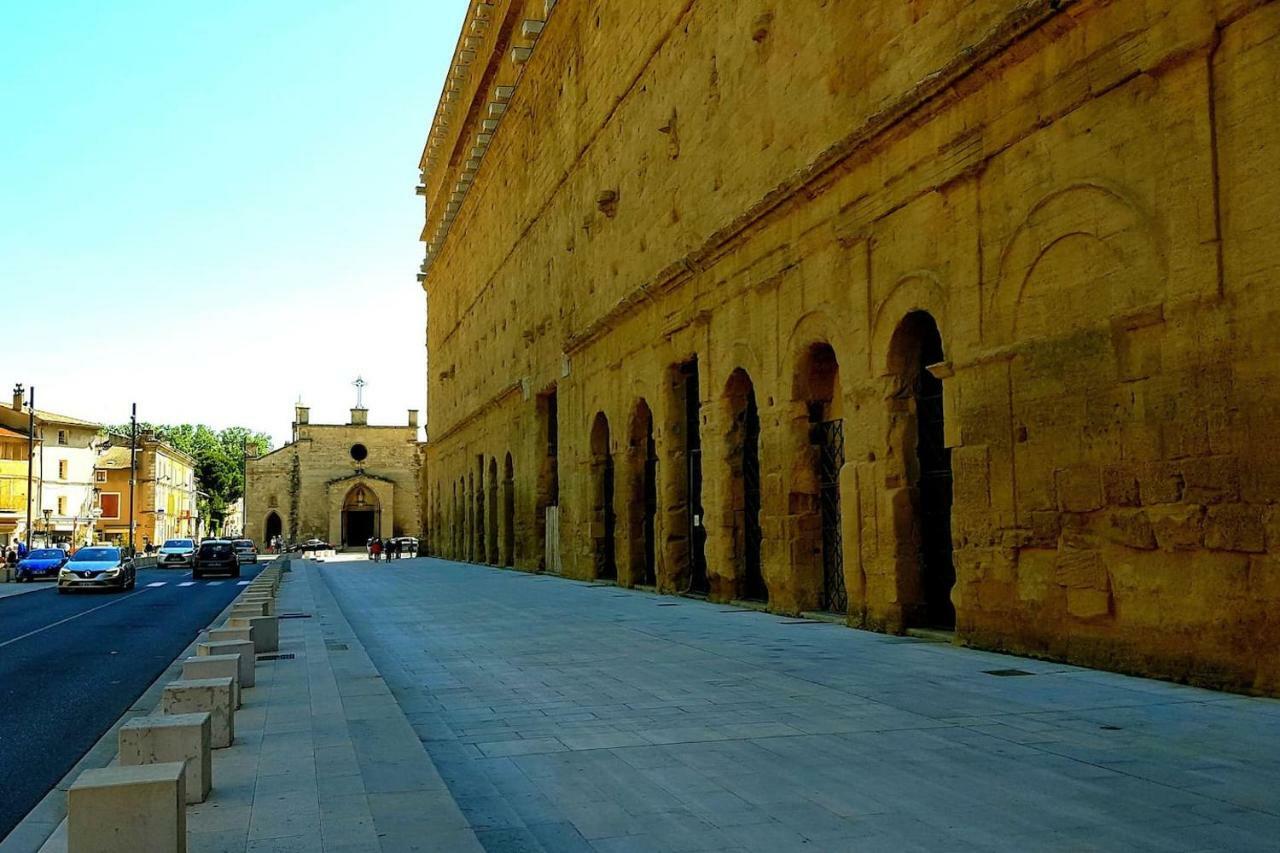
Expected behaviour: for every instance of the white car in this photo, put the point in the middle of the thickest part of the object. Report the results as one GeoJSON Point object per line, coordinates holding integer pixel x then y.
{"type": "Point", "coordinates": [176, 554]}
{"type": "Point", "coordinates": [246, 552]}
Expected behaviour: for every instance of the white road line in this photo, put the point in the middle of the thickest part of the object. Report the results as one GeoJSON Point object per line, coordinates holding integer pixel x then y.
{"type": "Point", "coordinates": [158, 583]}
{"type": "Point", "coordinates": [69, 618]}
{"type": "Point", "coordinates": [187, 583]}
{"type": "Point", "coordinates": [242, 583]}
{"type": "Point", "coordinates": [214, 583]}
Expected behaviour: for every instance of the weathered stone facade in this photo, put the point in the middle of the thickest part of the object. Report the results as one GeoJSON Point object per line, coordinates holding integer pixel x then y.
{"type": "Point", "coordinates": [954, 312]}
{"type": "Point", "coordinates": [342, 483]}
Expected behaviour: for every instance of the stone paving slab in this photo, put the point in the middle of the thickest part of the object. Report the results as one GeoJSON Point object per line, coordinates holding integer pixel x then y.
{"type": "Point", "coordinates": [565, 716]}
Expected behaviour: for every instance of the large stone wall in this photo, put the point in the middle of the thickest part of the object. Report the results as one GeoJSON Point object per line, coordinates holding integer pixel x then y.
{"type": "Point", "coordinates": [1080, 197]}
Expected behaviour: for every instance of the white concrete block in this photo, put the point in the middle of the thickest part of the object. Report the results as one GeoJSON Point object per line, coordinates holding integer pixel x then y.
{"type": "Point", "coordinates": [245, 649]}
{"type": "Point", "coordinates": [173, 737]}
{"type": "Point", "coordinates": [204, 694]}
{"type": "Point", "coordinates": [215, 666]}
{"type": "Point", "coordinates": [128, 810]}
{"type": "Point", "coordinates": [266, 631]}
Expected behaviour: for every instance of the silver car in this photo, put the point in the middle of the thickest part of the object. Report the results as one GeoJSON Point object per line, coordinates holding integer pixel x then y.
{"type": "Point", "coordinates": [97, 568]}
{"type": "Point", "coordinates": [246, 552]}
{"type": "Point", "coordinates": [176, 554]}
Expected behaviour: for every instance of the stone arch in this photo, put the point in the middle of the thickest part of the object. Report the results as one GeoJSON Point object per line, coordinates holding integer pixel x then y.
{"type": "Point", "coordinates": [472, 545]}
{"type": "Point", "coordinates": [508, 511]}
{"type": "Point", "coordinates": [491, 550]}
{"type": "Point", "coordinates": [641, 506]}
{"type": "Point", "coordinates": [603, 520]}
{"type": "Point", "coordinates": [1083, 229]}
{"type": "Point", "coordinates": [917, 291]}
{"type": "Point", "coordinates": [741, 533]}
{"type": "Point", "coordinates": [361, 516]}
{"type": "Point", "coordinates": [816, 435]}
{"type": "Point", "coordinates": [272, 527]}
{"type": "Point", "coordinates": [920, 502]}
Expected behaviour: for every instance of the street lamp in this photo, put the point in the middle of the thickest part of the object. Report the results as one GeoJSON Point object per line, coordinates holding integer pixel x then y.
{"type": "Point", "coordinates": [48, 514]}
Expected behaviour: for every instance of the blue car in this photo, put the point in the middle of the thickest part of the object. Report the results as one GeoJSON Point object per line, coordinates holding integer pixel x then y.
{"type": "Point", "coordinates": [41, 563]}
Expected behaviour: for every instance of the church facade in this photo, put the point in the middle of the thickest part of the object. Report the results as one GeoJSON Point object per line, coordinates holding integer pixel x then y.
{"type": "Point", "coordinates": [954, 314]}
{"type": "Point", "coordinates": [343, 483]}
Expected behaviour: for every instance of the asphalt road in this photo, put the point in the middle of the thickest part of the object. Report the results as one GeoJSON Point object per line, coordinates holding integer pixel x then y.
{"type": "Point", "coordinates": [70, 665]}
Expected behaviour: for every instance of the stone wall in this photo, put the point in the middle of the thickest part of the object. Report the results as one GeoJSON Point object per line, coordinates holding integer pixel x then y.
{"type": "Point", "coordinates": [1062, 214]}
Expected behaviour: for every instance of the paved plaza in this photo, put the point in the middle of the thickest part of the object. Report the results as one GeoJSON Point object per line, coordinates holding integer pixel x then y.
{"type": "Point", "coordinates": [567, 716]}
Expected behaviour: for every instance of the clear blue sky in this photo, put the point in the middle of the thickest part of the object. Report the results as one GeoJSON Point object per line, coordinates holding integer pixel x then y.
{"type": "Point", "coordinates": [208, 207]}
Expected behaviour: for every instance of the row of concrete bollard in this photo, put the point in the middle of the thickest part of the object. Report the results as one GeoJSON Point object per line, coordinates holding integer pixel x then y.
{"type": "Point", "coordinates": [165, 759]}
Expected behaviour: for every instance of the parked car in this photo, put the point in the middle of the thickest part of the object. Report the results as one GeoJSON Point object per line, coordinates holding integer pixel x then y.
{"type": "Point", "coordinates": [215, 556]}
{"type": "Point", "coordinates": [408, 545]}
{"type": "Point", "coordinates": [177, 554]}
{"type": "Point", "coordinates": [246, 552]}
{"type": "Point", "coordinates": [315, 545]}
{"type": "Point", "coordinates": [97, 567]}
{"type": "Point", "coordinates": [41, 563]}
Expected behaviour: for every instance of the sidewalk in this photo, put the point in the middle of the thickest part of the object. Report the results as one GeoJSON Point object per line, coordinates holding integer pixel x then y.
{"type": "Point", "coordinates": [569, 716]}
{"type": "Point", "coordinates": [323, 759]}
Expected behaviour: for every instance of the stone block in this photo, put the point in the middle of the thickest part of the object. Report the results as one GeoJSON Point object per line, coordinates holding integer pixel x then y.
{"type": "Point", "coordinates": [1235, 527]}
{"type": "Point", "coordinates": [211, 695]}
{"type": "Point", "coordinates": [244, 648]}
{"type": "Point", "coordinates": [215, 666]}
{"type": "Point", "coordinates": [1079, 488]}
{"type": "Point", "coordinates": [172, 737]}
{"type": "Point", "coordinates": [251, 608]}
{"type": "Point", "coordinates": [1177, 527]}
{"type": "Point", "coordinates": [1131, 527]}
{"type": "Point", "coordinates": [128, 810]}
{"type": "Point", "coordinates": [266, 631]}
{"type": "Point", "coordinates": [227, 633]}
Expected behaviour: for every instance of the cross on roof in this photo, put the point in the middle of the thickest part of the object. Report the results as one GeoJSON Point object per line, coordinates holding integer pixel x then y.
{"type": "Point", "coordinates": [359, 384]}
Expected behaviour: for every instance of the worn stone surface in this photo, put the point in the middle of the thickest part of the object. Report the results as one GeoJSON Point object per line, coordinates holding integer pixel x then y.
{"type": "Point", "coordinates": [1080, 196]}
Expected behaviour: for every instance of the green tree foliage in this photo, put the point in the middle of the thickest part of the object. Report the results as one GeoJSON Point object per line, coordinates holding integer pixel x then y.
{"type": "Point", "coordinates": [219, 456]}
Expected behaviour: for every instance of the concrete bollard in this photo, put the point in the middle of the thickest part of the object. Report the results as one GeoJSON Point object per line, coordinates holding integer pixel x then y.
{"type": "Point", "coordinates": [126, 809]}
{"type": "Point", "coordinates": [225, 633]}
{"type": "Point", "coordinates": [215, 666]}
{"type": "Point", "coordinates": [266, 631]}
{"type": "Point", "coordinates": [174, 737]}
{"type": "Point", "coordinates": [204, 694]}
{"type": "Point", "coordinates": [244, 649]}
{"type": "Point", "coordinates": [251, 608]}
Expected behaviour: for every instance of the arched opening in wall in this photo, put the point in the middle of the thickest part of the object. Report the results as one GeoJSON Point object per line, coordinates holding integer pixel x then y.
{"type": "Point", "coordinates": [460, 521]}
{"type": "Point", "coordinates": [471, 548]}
{"type": "Point", "coordinates": [815, 497]}
{"type": "Point", "coordinates": [509, 512]}
{"type": "Point", "coordinates": [547, 495]}
{"type": "Point", "coordinates": [917, 345]}
{"type": "Point", "coordinates": [642, 497]}
{"type": "Point", "coordinates": [493, 511]}
{"type": "Point", "coordinates": [603, 520]}
{"type": "Point", "coordinates": [361, 516]}
{"type": "Point", "coordinates": [686, 538]}
{"type": "Point", "coordinates": [481, 541]}
{"type": "Point", "coordinates": [743, 448]}
{"type": "Point", "coordinates": [272, 528]}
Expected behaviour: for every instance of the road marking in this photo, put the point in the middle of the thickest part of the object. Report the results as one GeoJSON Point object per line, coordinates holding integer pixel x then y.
{"type": "Point", "coordinates": [158, 583]}
{"type": "Point", "coordinates": [214, 583]}
{"type": "Point", "coordinates": [69, 618]}
{"type": "Point", "coordinates": [242, 583]}
{"type": "Point", "coordinates": [187, 583]}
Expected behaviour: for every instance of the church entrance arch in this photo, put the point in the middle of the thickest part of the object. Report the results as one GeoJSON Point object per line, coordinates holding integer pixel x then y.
{"type": "Point", "coordinates": [274, 527]}
{"type": "Point", "coordinates": [361, 516]}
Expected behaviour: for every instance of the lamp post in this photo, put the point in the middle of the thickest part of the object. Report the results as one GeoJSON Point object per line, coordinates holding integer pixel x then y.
{"type": "Point", "coordinates": [48, 514]}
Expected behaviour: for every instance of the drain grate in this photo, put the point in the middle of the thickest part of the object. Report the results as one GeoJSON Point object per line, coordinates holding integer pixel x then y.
{"type": "Point", "coordinates": [286, 656]}
{"type": "Point", "coordinates": [335, 647]}
{"type": "Point", "coordinates": [668, 604]}
{"type": "Point", "coordinates": [1007, 673]}
{"type": "Point", "coordinates": [293, 616]}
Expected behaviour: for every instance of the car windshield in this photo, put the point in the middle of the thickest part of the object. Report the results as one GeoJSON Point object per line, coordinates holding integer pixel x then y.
{"type": "Point", "coordinates": [178, 543]}
{"type": "Point", "coordinates": [208, 548]}
{"type": "Point", "coordinates": [46, 554]}
{"type": "Point", "coordinates": [96, 555]}
{"type": "Point", "coordinates": [244, 544]}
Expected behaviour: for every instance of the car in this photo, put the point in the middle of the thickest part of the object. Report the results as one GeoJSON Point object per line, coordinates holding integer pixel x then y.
{"type": "Point", "coordinates": [408, 545]}
{"type": "Point", "coordinates": [176, 554]}
{"type": "Point", "coordinates": [216, 555]}
{"type": "Point", "coordinates": [41, 563]}
{"type": "Point", "coordinates": [245, 550]}
{"type": "Point", "coordinates": [97, 567]}
{"type": "Point", "coordinates": [315, 545]}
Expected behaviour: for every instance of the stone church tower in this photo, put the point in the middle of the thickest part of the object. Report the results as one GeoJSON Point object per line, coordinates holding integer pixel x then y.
{"type": "Point", "coordinates": [343, 483]}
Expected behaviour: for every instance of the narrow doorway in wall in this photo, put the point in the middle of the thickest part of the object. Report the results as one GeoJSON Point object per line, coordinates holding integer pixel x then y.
{"type": "Point", "coordinates": [698, 581]}
{"type": "Point", "coordinates": [919, 345]}
{"type": "Point", "coordinates": [480, 556]}
{"type": "Point", "coordinates": [493, 512]}
{"type": "Point", "coordinates": [604, 519]}
{"type": "Point", "coordinates": [641, 500]}
{"type": "Point", "coordinates": [547, 517]}
{"type": "Point", "coordinates": [509, 512]}
{"type": "Point", "coordinates": [744, 493]}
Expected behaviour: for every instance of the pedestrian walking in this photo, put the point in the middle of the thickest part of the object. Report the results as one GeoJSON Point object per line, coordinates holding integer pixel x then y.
{"type": "Point", "coordinates": [395, 548]}
{"type": "Point", "coordinates": [375, 549]}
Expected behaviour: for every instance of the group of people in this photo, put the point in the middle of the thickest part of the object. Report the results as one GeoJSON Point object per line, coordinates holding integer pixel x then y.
{"type": "Point", "coordinates": [13, 552]}
{"type": "Point", "coordinates": [388, 549]}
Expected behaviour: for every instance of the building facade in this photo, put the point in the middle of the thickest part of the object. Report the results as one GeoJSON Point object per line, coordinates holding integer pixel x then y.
{"type": "Point", "coordinates": [63, 498]}
{"type": "Point", "coordinates": [342, 483]}
{"type": "Point", "coordinates": [15, 452]}
{"type": "Point", "coordinates": [165, 503]}
{"type": "Point", "coordinates": [952, 314]}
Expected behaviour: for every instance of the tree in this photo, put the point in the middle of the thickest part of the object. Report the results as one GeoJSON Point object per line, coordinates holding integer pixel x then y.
{"type": "Point", "coordinates": [219, 457]}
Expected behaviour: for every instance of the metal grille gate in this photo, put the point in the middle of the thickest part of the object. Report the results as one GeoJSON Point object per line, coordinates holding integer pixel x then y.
{"type": "Point", "coordinates": [830, 441]}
